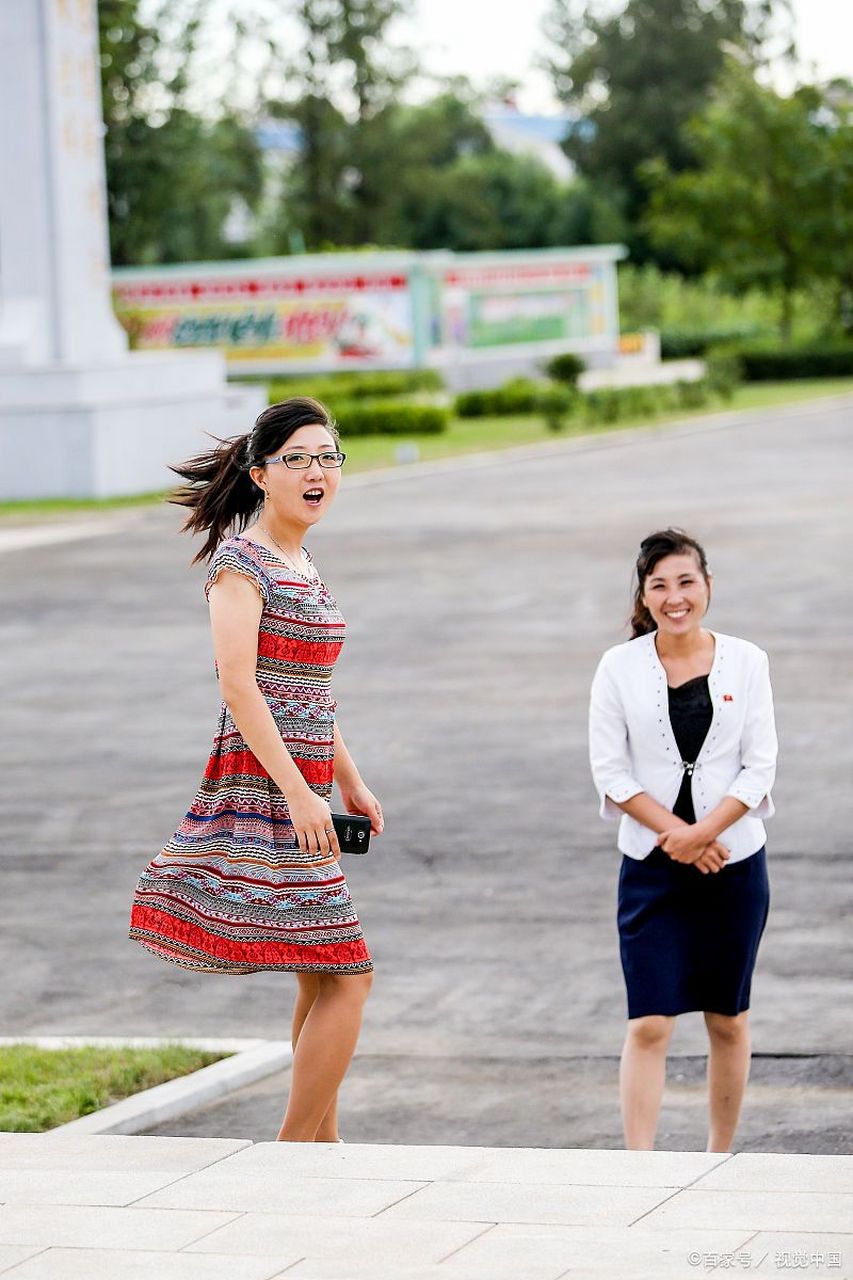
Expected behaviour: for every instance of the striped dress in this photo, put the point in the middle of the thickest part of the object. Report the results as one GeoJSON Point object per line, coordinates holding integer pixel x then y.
{"type": "Point", "coordinates": [232, 892]}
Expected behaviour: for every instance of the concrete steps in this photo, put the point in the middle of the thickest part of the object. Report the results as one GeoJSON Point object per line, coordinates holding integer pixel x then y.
{"type": "Point", "coordinates": [78, 1207]}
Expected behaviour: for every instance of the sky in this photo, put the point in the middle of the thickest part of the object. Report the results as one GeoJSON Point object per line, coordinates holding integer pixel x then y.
{"type": "Point", "coordinates": [485, 41]}
{"type": "Point", "coordinates": [473, 37]}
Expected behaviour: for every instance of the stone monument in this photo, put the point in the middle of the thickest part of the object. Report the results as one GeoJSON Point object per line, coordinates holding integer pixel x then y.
{"type": "Point", "coordinates": [79, 414]}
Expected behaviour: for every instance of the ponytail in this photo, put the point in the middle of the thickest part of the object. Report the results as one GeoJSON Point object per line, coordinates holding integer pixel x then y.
{"type": "Point", "coordinates": [219, 491]}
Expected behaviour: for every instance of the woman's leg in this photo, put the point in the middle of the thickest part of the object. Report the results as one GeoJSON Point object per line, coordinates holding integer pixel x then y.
{"type": "Point", "coordinates": [642, 1074]}
{"type": "Point", "coordinates": [728, 1071]}
{"type": "Point", "coordinates": [307, 992]}
{"type": "Point", "coordinates": [325, 1044]}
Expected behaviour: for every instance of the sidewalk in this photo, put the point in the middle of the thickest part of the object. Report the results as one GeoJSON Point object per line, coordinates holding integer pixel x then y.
{"type": "Point", "coordinates": [212, 1208]}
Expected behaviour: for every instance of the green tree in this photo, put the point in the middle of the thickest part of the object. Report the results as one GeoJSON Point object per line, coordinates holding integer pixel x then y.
{"type": "Point", "coordinates": [172, 176]}
{"type": "Point", "coordinates": [348, 76]}
{"type": "Point", "coordinates": [496, 200]}
{"type": "Point", "coordinates": [635, 77]}
{"type": "Point", "coordinates": [759, 210]}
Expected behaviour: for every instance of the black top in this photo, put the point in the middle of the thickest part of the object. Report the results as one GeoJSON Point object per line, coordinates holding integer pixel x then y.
{"type": "Point", "coordinates": [690, 714]}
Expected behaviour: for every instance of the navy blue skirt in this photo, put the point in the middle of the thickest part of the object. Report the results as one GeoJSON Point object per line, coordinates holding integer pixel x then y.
{"type": "Point", "coordinates": [687, 940]}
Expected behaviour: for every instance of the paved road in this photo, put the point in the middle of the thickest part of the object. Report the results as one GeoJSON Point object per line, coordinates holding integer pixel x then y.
{"type": "Point", "coordinates": [479, 599]}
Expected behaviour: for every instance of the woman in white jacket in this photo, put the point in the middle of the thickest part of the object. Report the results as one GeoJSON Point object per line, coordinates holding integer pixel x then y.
{"type": "Point", "coordinates": [683, 752]}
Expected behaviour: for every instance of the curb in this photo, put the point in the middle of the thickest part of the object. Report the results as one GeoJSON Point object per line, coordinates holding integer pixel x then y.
{"type": "Point", "coordinates": [45, 534]}
{"type": "Point", "coordinates": [251, 1060]}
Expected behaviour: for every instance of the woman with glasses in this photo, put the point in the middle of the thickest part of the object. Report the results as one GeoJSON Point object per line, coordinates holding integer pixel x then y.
{"type": "Point", "coordinates": [251, 879]}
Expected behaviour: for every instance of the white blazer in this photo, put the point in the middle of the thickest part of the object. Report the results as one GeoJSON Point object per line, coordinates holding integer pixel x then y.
{"type": "Point", "coordinates": [632, 747]}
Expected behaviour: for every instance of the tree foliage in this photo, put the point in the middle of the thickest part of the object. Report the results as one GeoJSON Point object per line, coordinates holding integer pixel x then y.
{"type": "Point", "coordinates": [768, 204]}
{"type": "Point", "coordinates": [636, 76]}
{"type": "Point", "coordinates": [172, 175]}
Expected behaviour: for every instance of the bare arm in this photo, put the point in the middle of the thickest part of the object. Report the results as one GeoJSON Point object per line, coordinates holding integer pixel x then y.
{"type": "Point", "coordinates": [355, 795]}
{"type": "Point", "coordinates": [235, 612]}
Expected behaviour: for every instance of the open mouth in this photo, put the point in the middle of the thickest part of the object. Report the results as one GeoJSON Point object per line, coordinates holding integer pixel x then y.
{"type": "Point", "coordinates": [313, 497]}
{"type": "Point", "coordinates": [678, 613]}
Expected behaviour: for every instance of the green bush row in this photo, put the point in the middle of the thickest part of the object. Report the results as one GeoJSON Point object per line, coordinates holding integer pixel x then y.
{"type": "Point", "coordinates": [390, 418]}
{"type": "Point", "coordinates": [612, 404]}
{"type": "Point", "coordinates": [609, 404]}
{"type": "Point", "coordinates": [759, 363]}
{"type": "Point", "coordinates": [520, 395]}
{"type": "Point", "coordinates": [368, 385]}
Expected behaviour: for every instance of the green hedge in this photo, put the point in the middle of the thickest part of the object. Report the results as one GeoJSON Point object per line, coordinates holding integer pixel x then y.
{"type": "Point", "coordinates": [390, 418]}
{"type": "Point", "coordinates": [684, 344]}
{"type": "Point", "coordinates": [615, 404]}
{"type": "Point", "coordinates": [610, 404]}
{"type": "Point", "coordinates": [370, 385]}
{"type": "Point", "coordinates": [779, 364]}
{"type": "Point", "coordinates": [518, 396]}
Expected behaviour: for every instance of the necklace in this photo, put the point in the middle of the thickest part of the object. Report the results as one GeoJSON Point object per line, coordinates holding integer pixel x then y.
{"type": "Point", "coordinates": [287, 559]}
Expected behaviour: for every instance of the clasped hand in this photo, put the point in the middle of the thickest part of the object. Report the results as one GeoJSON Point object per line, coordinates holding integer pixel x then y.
{"type": "Point", "coordinates": [689, 844]}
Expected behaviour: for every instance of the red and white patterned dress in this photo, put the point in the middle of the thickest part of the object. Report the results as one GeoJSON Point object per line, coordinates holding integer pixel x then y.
{"type": "Point", "coordinates": [232, 892]}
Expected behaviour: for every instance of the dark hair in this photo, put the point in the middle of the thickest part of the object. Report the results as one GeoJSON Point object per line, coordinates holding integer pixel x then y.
{"type": "Point", "coordinates": [666, 542]}
{"type": "Point", "coordinates": [219, 491]}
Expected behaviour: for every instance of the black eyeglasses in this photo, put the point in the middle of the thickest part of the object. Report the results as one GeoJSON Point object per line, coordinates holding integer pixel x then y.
{"type": "Point", "coordinates": [302, 461]}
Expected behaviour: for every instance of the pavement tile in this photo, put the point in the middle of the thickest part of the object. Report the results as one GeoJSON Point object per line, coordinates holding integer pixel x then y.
{"type": "Point", "coordinates": [79, 1186]}
{"type": "Point", "coordinates": [113, 1151]}
{"type": "Point", "coordinates": [131, 1264]}
{"type": "Point", "coordinates": [763, 1172]}
{"type": "Point", "coordinates": [514, 1249]}
{"type": "Point", "coordinates": [349, 1240]}
{"type": "Point", "coordinates": [361, 1160]}
{"type": "Point", "coordinates": [325, 1269]}
{"type": "Point", "coordinates": [263, 1193]}
{"type": "Point", "coordinates": [596, 1167]}
{"type": "Point", "coordinates": [10, 1254]}
{"type": "Point", "coordinates": [756, 1210]}
{"type": "Point", "coordinates": [82, 1226]}
{"type": "Point", "coordinates": [510, 1202]}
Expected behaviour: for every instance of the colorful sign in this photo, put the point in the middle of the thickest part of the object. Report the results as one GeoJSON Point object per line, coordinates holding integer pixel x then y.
{"type": "Point", "coordinates": [260, 318]}
{"type": "Point", "coordinates": [496, 305]}
{"type": "Point", "coordinates": [376, 310]}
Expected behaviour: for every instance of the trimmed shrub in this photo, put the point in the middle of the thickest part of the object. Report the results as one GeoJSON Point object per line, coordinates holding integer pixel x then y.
{"type": "Point", "coordinates": [334, 388]}
{"type": "Point", "coordinates": [769, 364]}
{"type": "Point", "coordinates": [556, 404]}
{"type": "Point", "coordinates": [390, 418]}
{"type": "Point", "coordinates": [566, 368]}
{"type": "Point", "coordinates": [520, 395]}
{"type": "Point", "coordinates": [724, 372]}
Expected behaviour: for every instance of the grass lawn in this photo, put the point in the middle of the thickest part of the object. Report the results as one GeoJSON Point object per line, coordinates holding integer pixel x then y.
{"type": "Point", "coordinates": [41, 1088]}
{"type": "Point", "coordinates": [470, 435]}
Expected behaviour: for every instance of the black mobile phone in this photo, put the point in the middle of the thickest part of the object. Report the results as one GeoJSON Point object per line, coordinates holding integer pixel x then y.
{"type": "Point", "coordinates": [353, 832]}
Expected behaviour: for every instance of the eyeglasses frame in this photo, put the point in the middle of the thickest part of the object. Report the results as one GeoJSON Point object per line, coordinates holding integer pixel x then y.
{"type": "Point", "coordinates": [313, 457]}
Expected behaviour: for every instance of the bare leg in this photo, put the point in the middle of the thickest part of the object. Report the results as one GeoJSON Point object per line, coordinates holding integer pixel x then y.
{"type": "Point", "coordinates": [642, 1074]}
{"type": "Point", "coordinates": [728, 1071]}
{"type": "Point", "coordinates": [324, 1047]}
{"type": "Point", "coordinates": [309, 989]}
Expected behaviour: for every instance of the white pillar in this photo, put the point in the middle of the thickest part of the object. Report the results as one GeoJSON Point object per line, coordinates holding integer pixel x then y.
{"type": "Point", "coordinates": [79, 415]}
{"type": "Point", "coordinates": [54, 255]}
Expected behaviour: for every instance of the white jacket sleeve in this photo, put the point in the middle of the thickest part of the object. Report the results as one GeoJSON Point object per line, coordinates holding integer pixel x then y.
{"type": "Point", "coordinates": [608, 744]}
{"type": "Point", "coordinates": [758, 746]}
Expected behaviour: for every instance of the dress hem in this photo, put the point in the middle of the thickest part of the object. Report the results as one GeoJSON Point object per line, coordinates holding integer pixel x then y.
{"type": "Point", "coordinates": [364, 966]}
